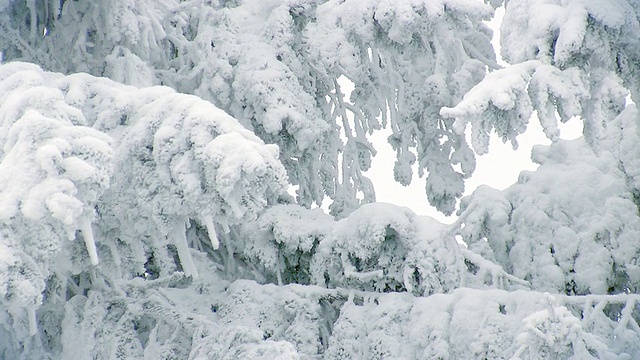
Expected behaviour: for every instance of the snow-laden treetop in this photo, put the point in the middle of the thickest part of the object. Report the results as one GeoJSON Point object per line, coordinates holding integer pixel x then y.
{"type": "Point", "coordinates": [274, 65]}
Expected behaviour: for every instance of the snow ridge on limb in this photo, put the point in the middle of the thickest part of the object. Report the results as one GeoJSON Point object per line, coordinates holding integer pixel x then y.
{"type": "Point", "coordinates": [178, 158]}
{"type": "Point", "coordinates": [379, 247]}
{"type": "Point", "coordinates": [283, 240]}
{"type": "Point", "coordinates": [309, 321]}
{"type": "Point", "coordinates": [575, 58]}
{"type": "Point", "coordinates": [189, 159]}
{"type": "Point", "coordinates": [505, 100]}
{"type": "Point", "coordinates": [365, 324]}
{"type": "Point", "coordinates": [386, 248]}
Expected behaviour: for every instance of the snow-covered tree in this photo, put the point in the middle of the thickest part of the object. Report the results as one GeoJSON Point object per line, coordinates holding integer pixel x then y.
{"type": "Point", "coordinates": [275, 65]}
{"type": "Point", "coordinates": [86, 156]}
{"type": "Point", "coordinates": [146, 150]}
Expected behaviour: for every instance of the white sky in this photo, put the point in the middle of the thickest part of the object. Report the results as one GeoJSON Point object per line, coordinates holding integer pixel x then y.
{"type": "Point", "coordinates": [499, 168]}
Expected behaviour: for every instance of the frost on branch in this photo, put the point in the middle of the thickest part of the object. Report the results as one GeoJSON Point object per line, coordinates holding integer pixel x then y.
{"type": "Point", "coordinates": [570, 226]}
{"type": "Point", "coordinates": [569, 58]}
{"type": "Point", "coordinates": [386, 248]}
{"type": "Point", "coordinates": [248, 319]}
{"type": "Point", "coordinates": [378, 248]}
{"type": "Point", "coordinates": [281, 79]}
{"type": "Point", "coordinates": [505, 100]}
{"type": "Point", "coordinates": [406, 60]}
{"type": "Point", "coordinates": [573, 33]}
{"type": "Point", "coordinates": [283, 239]}
{"type": "Point", "coordinates": [115, 39]}
{"type": "Point", "coordinates": [53, 168]}
{"type": "Point", "coordinates": [595, 37]}
{"type": "Point", "coordinates": [555, 333]}
{"type": "Point", "coordinates": [178, 158]}
{"type": "Point", "coordinates": [178, 161]}
{"type": "Point", "coordinates": [275, 65]}
{"type": "Point", "coordinates": [485, 216]}
{"type": "Point", "coordinates": [344, 324]}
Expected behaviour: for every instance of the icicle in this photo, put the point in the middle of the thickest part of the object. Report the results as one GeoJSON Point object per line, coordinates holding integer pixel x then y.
{"type": "Point", "coordinates": [87, 234]}
{"type": "Point", "coordinates": [211, 229]}
{"type": "Point", "coordinates": [279, 268]}
{"type": "Point", "coordinates": [407, 274]}
{"type": "Point", "coordinates": [235, 207]}
{"type": "Point", "coordinates": [549, 302]}
{"type": "Point", "coordinates": [228, 259]}
{"type": "Point", "coordinates": [57, 9]}
{"type": "Point", "coordinates": [71, 233]}
{"type": "Point", "coordinates": [115, 255]}
{"type": "Point", "coordinates": [33, 325]}
{"type": "Point", "coordinates": [225, 226]}
{"type": "Point", "coordinates": [31, 5]}
{"type": "Point", "coordinates": [231, 262]}
{"type": "Point", "coordinates": [179, 237]}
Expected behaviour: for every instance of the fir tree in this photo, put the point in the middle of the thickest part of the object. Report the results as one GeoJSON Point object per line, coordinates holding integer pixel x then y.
{"type": "Point", "coordinates": [147, 148]}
